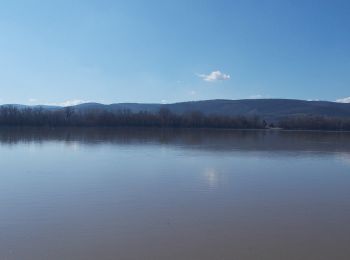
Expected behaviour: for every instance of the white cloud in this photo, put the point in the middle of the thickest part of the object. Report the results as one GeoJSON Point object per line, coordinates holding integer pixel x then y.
{"type": "Point", "coordinates": [32, 100]}
{"type": "Point", "coordinates": [343, 100]}
{"type": "Point", "coordinates": [68, 103]}
{"type": "Point", "coordinates": [258, 96]}
{"type": "Point", "coordinates": [214, 76]}
{"type": "Point", "coordinates": [192, 93]}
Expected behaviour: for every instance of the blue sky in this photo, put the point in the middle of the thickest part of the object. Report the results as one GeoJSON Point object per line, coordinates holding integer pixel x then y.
{"type": "Point", "coordinates": [167, 51]}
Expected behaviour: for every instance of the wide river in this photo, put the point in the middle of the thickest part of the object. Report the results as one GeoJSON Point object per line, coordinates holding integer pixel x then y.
{"type": "Point", "coordinates": [71, 194]}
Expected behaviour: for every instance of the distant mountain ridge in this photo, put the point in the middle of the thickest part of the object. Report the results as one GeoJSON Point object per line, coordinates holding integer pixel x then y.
{"type": "Point", "coordinates": [270, 109]}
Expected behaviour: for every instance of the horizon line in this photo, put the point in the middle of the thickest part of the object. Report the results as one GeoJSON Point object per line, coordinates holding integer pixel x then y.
{"type": "Point", "coordinates": [165, 103]}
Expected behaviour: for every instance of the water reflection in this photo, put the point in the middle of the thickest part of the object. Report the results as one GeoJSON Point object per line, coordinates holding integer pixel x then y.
{"type": "Point", "coordinates": [211, 177]}
{"type": "Point", "coordinates": [204, 139]}
{"type": "Point", "coordinates": [73, 145]}
{"type": "Point", "coordinates": [130, 194]}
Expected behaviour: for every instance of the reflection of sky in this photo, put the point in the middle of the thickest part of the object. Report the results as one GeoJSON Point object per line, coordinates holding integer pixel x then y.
{"type": "Point", "coordinates": [211, 177]}
{"type": "Point", "coordinates": [74, 146]}
{"type": "Point", "coordinates": [344, 157]}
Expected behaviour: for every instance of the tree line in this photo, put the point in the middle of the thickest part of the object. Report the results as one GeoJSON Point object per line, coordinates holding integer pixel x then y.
{"type": "Point", "coordinates": [305, 122]}
{"type": "Point", "coordinates": [14, 116]}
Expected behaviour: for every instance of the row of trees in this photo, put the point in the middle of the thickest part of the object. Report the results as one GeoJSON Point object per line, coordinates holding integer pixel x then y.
{"type": "Point", "coordinates": [13, 116]}
{"type": "Point", "coordinates": [315, 123]}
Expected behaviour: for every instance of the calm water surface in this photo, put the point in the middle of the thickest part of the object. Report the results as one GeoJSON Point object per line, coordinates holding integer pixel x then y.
{"type": "Point", "coordinates": [164, 194]}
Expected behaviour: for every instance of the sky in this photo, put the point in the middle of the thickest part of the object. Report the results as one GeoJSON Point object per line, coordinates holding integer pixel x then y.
{"type": "Point", "coordinates": [66, 52]}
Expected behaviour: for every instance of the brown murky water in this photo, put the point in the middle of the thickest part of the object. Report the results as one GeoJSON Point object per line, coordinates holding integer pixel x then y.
{"type": "Point", "coordinates": [173, 194]}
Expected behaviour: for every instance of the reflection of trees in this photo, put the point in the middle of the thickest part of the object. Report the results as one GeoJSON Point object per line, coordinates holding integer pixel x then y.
{"type": "Point", "coordinates": [202, 139]}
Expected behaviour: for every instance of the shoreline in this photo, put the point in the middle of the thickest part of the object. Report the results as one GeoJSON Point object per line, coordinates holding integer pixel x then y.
{"type": "Point", "coordinates": [2, 127]}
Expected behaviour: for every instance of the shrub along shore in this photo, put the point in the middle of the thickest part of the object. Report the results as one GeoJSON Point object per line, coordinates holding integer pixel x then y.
{"type": "Point", "coordinates": [13, 116]}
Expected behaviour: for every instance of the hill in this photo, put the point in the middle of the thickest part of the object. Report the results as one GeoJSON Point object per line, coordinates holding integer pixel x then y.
{"type": "Point", "coordinates": [269, 109]}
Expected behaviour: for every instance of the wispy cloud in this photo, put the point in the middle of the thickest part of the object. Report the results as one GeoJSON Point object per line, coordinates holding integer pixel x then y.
{"type": "Point", "coordinates": [343, 100]}
{"type": "Point", "coordinates": [32, 100]}
{"type": "Point", "coordinates": [214, 76]}
{"type": "Point", "coordinates": [192, 93]}
{"type": "Point", "coordinates": [258, 96]}
{"type": "Point", "coordinates": [67, 103]}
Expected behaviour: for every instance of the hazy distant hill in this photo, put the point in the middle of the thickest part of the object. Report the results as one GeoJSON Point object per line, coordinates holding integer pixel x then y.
{"type": "Point", "coordinates": [19, 106]}
{"type": "Point", "coordinates": [265, 108]}
{"type": "Point", "coordinates": [133, 107]}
